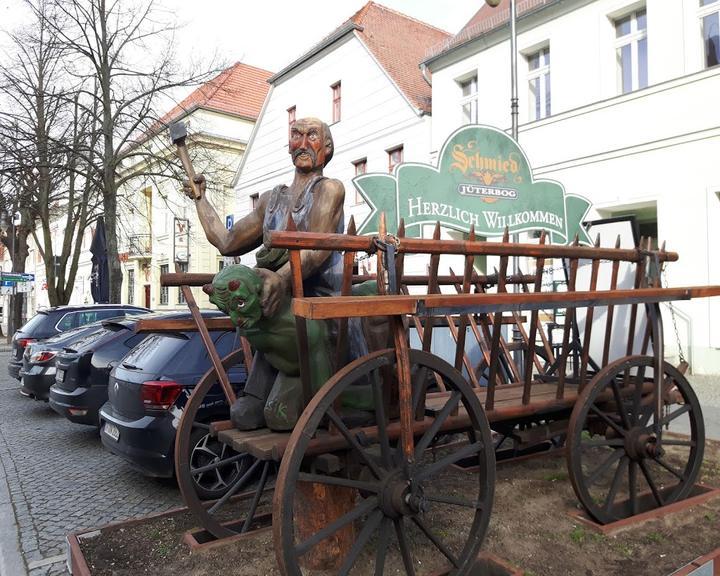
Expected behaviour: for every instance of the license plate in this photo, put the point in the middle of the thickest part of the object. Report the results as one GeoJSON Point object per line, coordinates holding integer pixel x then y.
{"type": "Point", "coordinates": [60, 376]}
{"type": "Point", "coordinates": [112, 431]}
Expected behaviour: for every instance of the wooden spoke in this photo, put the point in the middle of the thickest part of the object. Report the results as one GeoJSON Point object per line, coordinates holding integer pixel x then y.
{"type": "Point", "coordinates": [404, 546]}
{"type": "Point", "coordinates": [358, 512]}
{"type": "Point", "coordinates": [256, 497]}
{"type": "Point", "coordinates": [669, 468]}
{"type": "Point", "coordinates": [340, 425]}
{"type": "Point", "coordinates": [673, 442]}
{"type": "Point", "coordinates": [383, 439]}
{"type": "Point", "coordinates": [632, 486]}
{"type": "Point", "coordinates": [438, 421]}
{"type": "Point", "coordinates": [218, 464]}
{"type": "Point", "coordinates": [684, 409]}
{"type": "Point", "coordinates": [435, 540]}
{"type": "Point", "coordinates": [368, 528]}
{"type": "Point", "coordinates": [239, 483]}
{"type": "Point", "coordinates": [651, 483]}
{"type": "Point", "coordinates": [454, 501]}
{"type": "Point", "coordinates": [435, 467]}
{"type": "Point", "coordinates": [620, 405]}
{"type": "Point", "coordinates": [615, 485]}
{"type": "Point", "coordinates": [607, 419]}
{"type": "Point", "coordinates": [383, 542]}
{"type": "Point", "coordinates": [595, 475]}
{"type": "Point", "coordinates": [339, 481]}
{"type": "Point", "coordinates": [611, 442]}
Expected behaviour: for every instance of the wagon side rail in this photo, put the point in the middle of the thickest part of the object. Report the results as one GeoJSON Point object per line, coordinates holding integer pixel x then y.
{"type": "Point", "coordinates": [492, 308]}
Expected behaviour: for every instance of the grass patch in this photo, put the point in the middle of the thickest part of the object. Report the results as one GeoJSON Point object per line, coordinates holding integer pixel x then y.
{"type": "Point", "coordinates": [555, 476]}
{"type": "Point", "coordinates": [580, 536]}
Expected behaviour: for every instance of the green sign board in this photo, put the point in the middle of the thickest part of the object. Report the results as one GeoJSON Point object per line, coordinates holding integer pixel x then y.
{"type": "Point", "coordinates": [483, 180]}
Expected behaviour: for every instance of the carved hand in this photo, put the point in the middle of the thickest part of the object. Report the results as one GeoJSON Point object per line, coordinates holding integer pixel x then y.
{"type": "Point", "coordinates": [200, 183]}
{"type": "Point", "coordinates": [273, 291]}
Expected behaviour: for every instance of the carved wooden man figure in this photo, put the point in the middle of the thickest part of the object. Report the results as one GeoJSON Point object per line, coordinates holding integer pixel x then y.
{"type": "Point", "coordinates": [316, 204]}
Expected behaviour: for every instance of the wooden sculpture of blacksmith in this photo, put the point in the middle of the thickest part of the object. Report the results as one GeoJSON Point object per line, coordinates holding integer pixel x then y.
{"type": "Point", "coordinates": [315, 204]}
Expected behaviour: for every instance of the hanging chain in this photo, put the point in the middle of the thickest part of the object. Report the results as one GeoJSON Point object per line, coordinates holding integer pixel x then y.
{"type": "Point", "coordinates": [681, 354]}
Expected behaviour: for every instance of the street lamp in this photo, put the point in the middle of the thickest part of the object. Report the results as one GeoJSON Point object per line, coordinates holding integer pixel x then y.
{"type": "Point", "coordinates": [513, 65]}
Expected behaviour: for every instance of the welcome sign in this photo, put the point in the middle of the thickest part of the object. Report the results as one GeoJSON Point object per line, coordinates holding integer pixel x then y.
{"type": "Point", "coordinates": [483, 180]}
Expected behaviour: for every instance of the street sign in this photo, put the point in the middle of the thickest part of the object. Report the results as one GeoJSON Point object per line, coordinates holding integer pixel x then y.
{"type": "Point", "coordinates": [229, 221]}
{"type": "Point", "coordinates": [16, 277]}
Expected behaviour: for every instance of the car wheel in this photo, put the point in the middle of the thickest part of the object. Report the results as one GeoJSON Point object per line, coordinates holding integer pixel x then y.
{"type": "Point", "coordinates": [204, 450]}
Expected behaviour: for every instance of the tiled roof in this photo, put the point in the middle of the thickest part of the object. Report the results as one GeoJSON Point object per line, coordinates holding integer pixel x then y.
{"type": "Point", "coordinates": [239, 90]}
{"type": "Point", "coordinates": [399, 43]}
{"type": "Point", "coordinates": [485, 20]}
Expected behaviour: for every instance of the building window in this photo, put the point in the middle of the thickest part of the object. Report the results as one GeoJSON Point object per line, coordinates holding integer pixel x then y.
{"type": "Point", "coordinates": [336, 96]}
{"type": "Point", "coordinates": [469, 100]}
{"type": "Point", "coordinates": [131, 287]}
{"type": "Point", "coordinates": [164, 290]}
{"type": "Point", "coordinates": [291, 118]}
{"type": "Point", "coordinates": [360, 168]}
{"type": "Point", "coordinates": [181, 267]}
{"type": "Point", "coordinates": [631, 51]}
{"type": "Point", "coordinates": [395, 156]}
{"type": "Point", "coordinates": [539, 83]}
{"type": "Point", "coordinates": [254, 200]}
{"type": "Point", "coordinates": [710, 16]}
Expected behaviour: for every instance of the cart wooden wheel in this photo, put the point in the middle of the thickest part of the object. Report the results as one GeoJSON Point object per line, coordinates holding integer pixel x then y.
{"type": "Point", "coordinates": [213, 464]}
{"type": "Point", "coordinates": [398, 508]}
{"type": "Point", "coordinates": [615, 463]}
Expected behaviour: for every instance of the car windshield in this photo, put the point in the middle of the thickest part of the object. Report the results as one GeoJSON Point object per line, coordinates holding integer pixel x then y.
{"type": "Point", "coordinates": [73, 333]}
{"type": "Point", "coordinates": [154, 353]}
{"type": "Point", "coordinates": [34, 322]}
{"type": "Point", "coordinates": [87, 340]}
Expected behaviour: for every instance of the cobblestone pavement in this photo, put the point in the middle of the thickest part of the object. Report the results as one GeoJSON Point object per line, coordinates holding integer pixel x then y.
{"type": "Point", "coordinates": [60, 479]}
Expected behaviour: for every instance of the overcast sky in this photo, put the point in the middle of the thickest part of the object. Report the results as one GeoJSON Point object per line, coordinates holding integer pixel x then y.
{"type": "Point", "coordinates": [272, 33]}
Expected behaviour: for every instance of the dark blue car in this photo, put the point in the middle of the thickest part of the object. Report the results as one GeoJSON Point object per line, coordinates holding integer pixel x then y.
{"type": "Point", "coordinates": [83, 366]}
{"type": "Point", "coordinates": [146, 394]}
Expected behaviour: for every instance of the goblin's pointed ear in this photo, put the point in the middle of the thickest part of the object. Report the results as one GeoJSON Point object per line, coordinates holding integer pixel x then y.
{"type": "Point", "coordinates": [233, 285]}
{"type": "Point", "coordinates": [208, 289]}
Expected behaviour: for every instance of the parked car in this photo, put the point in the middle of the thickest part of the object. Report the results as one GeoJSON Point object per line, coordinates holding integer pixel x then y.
{"type": "Point", "coordinates": [52, 321]}
{"type": "Point", "coordinates": [38, 362]}
{"type": "Point", "coordinates": [83, 366]}
{"type": "Point", "coordinates": [147, 391]}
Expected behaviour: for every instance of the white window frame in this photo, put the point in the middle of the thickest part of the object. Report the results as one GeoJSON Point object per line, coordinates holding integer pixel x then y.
{"type": "Point", "coordinates": [541, 73]}
{"type": "Point", "coordinates": [470, 99]}
{"type": "Point", "coordinates": [356, 165]}
{"type": "Point", "coordinates": [707, 10]}
{"type": "Point", "coordinates": [633, 39]}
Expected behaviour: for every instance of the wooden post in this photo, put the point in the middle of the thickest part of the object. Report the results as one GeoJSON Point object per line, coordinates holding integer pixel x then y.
{"type": "Point", "coordinates": [316, 506]}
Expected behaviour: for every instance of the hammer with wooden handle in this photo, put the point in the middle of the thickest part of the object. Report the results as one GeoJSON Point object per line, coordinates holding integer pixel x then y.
{"type": "Point", "coordinates": [178, 134]}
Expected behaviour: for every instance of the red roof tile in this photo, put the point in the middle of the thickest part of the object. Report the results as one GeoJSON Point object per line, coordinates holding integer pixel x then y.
{"type": "Point", "coordinates": [239, 90]}
{"type": "Point", "coordinates": [399, 43]}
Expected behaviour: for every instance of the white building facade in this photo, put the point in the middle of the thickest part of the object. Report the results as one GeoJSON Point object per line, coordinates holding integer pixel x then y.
{"type": "Point", "coordinates": [618, 103]}
{"type": "Point", "coordinates": [378, 110]}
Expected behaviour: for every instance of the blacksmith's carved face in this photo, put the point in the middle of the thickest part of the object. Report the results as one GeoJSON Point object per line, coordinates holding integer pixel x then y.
{"type": "Point", "coordinates": [311, 145]}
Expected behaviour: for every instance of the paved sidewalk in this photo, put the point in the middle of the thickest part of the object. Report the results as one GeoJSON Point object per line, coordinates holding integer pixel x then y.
{"type": "Point", "coordinates": [56, 478]}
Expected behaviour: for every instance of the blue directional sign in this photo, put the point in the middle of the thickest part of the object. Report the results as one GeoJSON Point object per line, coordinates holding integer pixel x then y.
{"type": "Point", "coordinates": [229, 221]}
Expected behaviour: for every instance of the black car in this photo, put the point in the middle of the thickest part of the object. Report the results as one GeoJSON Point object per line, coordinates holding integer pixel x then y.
{"type": "Point", "coordinates": [147, 391]}
{"type": "Point", "coordinates": [83, 366]}
{"type": "Point", "coordinates": [38, 362]}
{"type": "Point", "coordinates": [48, 323]}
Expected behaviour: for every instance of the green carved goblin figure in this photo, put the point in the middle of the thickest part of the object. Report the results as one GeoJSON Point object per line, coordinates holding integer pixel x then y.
{"type": "Point", "coordinates": [236, 291]}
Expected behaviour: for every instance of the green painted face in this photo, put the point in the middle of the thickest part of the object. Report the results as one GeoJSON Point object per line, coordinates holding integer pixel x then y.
{"type": "Point", "coordinates": [236, 291]}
